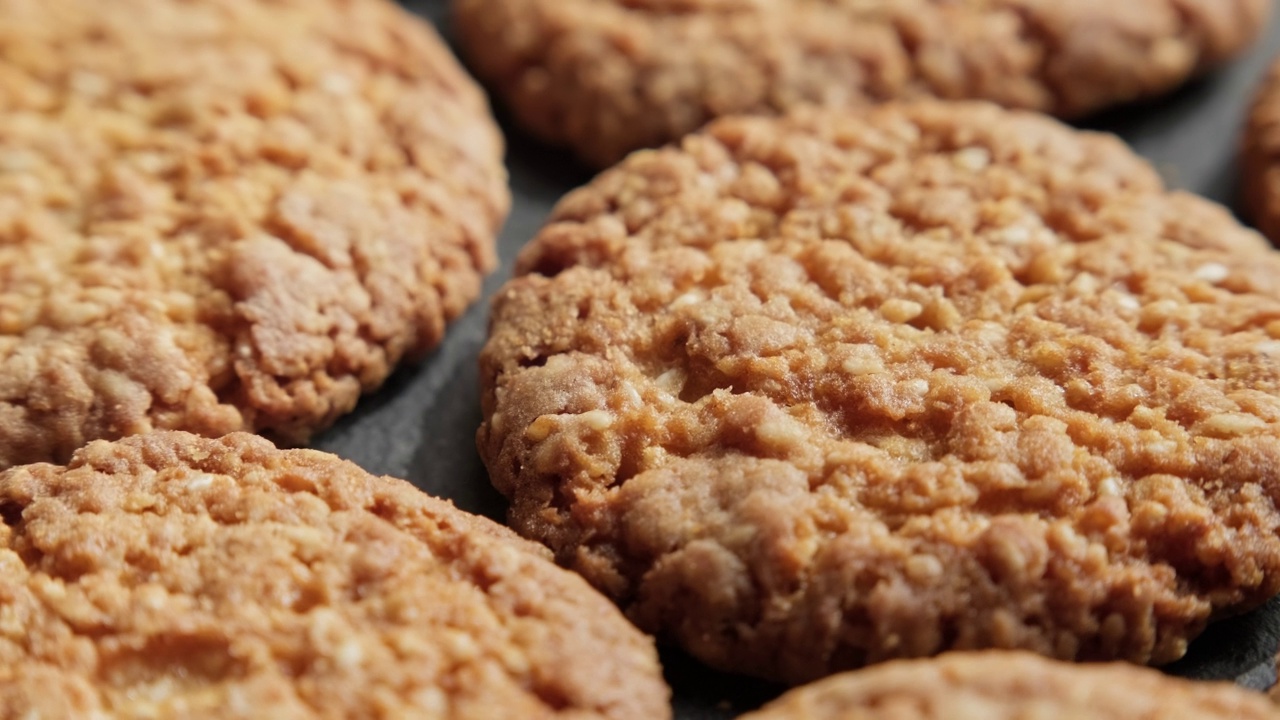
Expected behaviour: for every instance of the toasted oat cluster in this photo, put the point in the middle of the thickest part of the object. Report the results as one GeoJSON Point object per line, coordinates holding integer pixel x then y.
{"type": "Point", "coordinates": [1012, 686]}
{"type": "Point", "coordinates": [227, 215]}
{"type": "Point", "coordinates": [814, 392]}
{"type": "Point", "coordinates": [172, 576]}
{"type": "Point", "coordinates": [608, 76]}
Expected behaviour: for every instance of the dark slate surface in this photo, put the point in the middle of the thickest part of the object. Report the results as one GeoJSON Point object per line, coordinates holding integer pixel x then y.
{"type": "Point", "coordinates": [421, 425]}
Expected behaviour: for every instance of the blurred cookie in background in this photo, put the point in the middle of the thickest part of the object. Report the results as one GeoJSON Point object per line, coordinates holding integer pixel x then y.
{"type": "Point", "coordinates": [1013, 686]}
{"type": "Point", "coordinates": [605, 77]}
{"type": "Point", "coordinates": [1260, 156]}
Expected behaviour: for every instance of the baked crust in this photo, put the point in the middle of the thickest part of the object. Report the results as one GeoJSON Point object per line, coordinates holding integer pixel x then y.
{"type": "Point", "coordinates": [227, 215]}
{"type": "Point", "coordinates": [168, 575]}
{"type": "Point", "coordinates": [809, 393]}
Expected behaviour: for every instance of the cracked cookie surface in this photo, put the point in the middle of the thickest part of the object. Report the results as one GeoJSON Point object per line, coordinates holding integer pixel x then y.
{"type": "Point", "coordinates": [228, 215]}
{"type": "Point", "coordinates": [809, 393]}
{"type": "Point", "coordinates": [608, 76]}
{"type": "Point", "coordinates": [1012, 686]}
{"type": "Point", "coordinates": [168, 575]}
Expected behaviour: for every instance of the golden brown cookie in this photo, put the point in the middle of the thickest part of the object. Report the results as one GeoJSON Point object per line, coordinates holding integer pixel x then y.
{"type": "Point", "coordinates": [227, 215]}
{"type": "Point", "coordinates": [1260, 158]}
{"type": "Point", "coordinates": [605, 77]}
{"type": "Point", "coordinates": [814, 392]}
{"type": "Point", "coordinates": [168, 575]}
{"type": "Point", "coordinates": [1012, 686]}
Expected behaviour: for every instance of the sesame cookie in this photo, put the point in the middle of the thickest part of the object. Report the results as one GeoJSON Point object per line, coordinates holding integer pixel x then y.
{"type": "Point", "coordinates": [814, 392]}
{"type": "Point", "coordinates": [1260, 158]}
{"type": "Point", "coordinates": [227, 215]}
{"type": "Point", "coordinates": [605, 77]}
{"type": "Point", "coordinates": [1012, 686]}
{"type": "Point", "coordinates": [169, 575]}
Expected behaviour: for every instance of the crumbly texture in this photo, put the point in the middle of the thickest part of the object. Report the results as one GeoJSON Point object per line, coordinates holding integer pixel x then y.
{"type": "Point", "coordinates": [608, 76]}
{"type": "Point", "coordinates": [227, 215]}
{"type": "Point", "coordinates": [1013, 686]}
{"type": "Point", "coordinates": [167, 575]}
{"type": "Point", "coordinates": [814, 392]}
{"type": "Point", "coordinates": [1260, 156]}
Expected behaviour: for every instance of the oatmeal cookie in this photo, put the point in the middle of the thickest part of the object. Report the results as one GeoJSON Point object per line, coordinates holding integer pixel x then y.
{"type": "Point", "coordinates": [814, 392]}
{"type": "Point", "coordinates": [227, 215]}
{"type": "Point", "coordinates": [1260, 157]}
{"type": "Point", "coordinates": [169, 575]}
{"type": "Point", "coordinates": [1013, 686]}
{"type": "Point", "coordinates": [609, 76]}
{"type": "Point", "coordinates": [1274, 691]}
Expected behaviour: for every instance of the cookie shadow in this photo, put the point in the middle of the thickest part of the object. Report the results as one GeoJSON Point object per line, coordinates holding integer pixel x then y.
{"type": "Point", "coordinates": [446, 463]}
{"type": "Point", "coordinates": [1154, 114]}
{"type": "Point", "coordinates": [700, 693]}
{"type": "Point", "coordinates": [1241, 649]}
{"type": "Point", "coordinates": [373, 434]}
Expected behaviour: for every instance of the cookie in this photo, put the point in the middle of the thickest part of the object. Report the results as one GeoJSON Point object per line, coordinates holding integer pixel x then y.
{"type": "Point", "coordinates": [1260, 157]}
{"type": "Point", "coordinates": [1012, 685]}
{"type": "Point", "coordinates": [169, 575]}
{"type": "Point", "coordinates": [605, 77]}
{"type": "Point", "coordinates": [1274, 691]}
{"type": "Point", "coordinates": [227, 215]}
{"type": "Point", "coordinates": [809, 393]}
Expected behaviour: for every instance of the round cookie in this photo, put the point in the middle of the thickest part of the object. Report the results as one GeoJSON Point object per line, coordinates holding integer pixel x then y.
{"type": "Point", "coordinates": [1260, 156]}
{"type": "Point", "coordinates": [1012, 686]}
{"type": "Point", "coordinates": [227, 215]}
{"type": "Point", "coordinates": [814, 392]}
{"type": "Point", "coordinates": [168, 575]}
{"type": "Point", "coordinates": [605, 77]}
